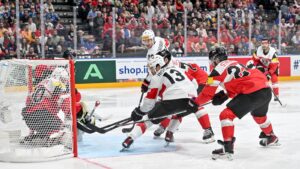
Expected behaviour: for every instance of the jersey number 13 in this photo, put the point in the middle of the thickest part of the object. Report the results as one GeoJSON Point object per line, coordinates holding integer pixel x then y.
{"type": "Point", "coordinates": [174, 76]}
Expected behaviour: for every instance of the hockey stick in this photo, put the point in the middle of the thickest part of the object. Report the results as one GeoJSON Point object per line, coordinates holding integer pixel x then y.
{"type": "Point", "coordinates": [165, 116]}
{"type": "Point", "coordinates": [127, 130]}
{"type": "Point", "coordinates": [109, 127]}
{"type": "Point", "coordinates": [277, 98]}
{"type": "Point", "coordinates": [126, 122]}
{"type": "Point", "coordinates": [84, 128]}
{"type": "Point", "coordinates": [88, 118]}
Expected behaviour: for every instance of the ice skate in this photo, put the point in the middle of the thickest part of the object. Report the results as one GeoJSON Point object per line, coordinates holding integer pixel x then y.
{"type": "Point", "coordinates": [159, 131]}
{"type": "Point", "coordinates": [268, 140]}
{"type": "Point", "coordinates": [126, 144]}
{"type": "Point", "coordinates": [208, 136]}
{"type": "Point", "coordinates": [169, 138]}
{"type": "Point", "coordinates": [226, 152]}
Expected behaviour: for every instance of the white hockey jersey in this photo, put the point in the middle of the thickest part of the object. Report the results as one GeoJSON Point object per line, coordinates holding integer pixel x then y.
{"type": "Point", "coordinates": [265, 59]}
{"type": "Point", "coordinates": [159, 45]}
{"type": "Point", "coordinates": [169, 83]}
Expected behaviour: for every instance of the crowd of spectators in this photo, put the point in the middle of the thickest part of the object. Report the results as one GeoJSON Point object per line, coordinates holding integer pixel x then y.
{"type": "Point", "coordinates": [165, 17]}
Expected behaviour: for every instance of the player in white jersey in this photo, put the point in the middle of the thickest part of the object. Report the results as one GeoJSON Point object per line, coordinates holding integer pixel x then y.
{"type": "Point", "coordinates": [175, 89]}
{"type": "Point", "coordinates": [265, 59]}
{"type": "Point", "coordinates": [154, 45]}
{"type": "Point", "coordinates": [157, 45]}
{"type": "Point", "coordinates": [199, 78]}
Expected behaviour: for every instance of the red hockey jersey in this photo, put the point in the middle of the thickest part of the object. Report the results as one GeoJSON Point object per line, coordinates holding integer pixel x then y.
{"type": "Point", "coordinates": [235, 78]}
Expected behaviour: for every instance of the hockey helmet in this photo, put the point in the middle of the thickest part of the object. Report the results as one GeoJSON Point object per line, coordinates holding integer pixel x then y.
{"type": "Point", "coordinates": [154, 61]}
{"type": "Point", "coordinates": [219, 53]}
{"type": "Point", "coordinates": [165, 54]}
{"type": "Point", "coordinates": [148, 38]}
{"type": "Point", "coordinates": [60, 74]}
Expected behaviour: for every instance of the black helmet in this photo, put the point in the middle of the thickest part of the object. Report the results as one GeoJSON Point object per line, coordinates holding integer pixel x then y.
{"type": "Point", "coordinates": [165, 53]}
{"type": "Point", "coordinates": [68, 54]}
{"type": "Point", "coordinates": [218, 53]}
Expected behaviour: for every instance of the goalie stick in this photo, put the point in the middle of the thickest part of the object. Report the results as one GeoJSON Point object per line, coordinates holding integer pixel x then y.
{"type": "Point", "coordinates": [127, 121]}
{"type": "Point", "coordinates": [83, 127]}
{"type": "Point", "coordinates": [88, 118]}
{"type": "Point", "coordinates": [127, 130]}
{"type": "Point", "coordinates": [109, 127]}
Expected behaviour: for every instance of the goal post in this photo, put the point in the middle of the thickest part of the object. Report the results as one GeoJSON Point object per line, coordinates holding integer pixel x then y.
{"type": "Point", "coordinates": [37, 110]}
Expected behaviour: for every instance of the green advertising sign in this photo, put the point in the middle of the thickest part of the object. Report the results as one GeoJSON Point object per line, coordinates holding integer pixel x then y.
{"type": "Point", "coordinates": [95, 71]}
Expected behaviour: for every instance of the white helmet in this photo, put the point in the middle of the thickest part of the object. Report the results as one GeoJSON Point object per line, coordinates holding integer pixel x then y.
{"type": "Point", "coordinates": [60, 74]}
{"type": "Point", "coordinates": [156, 60]}
{"type": "Point", "coordinates": [147, 36]}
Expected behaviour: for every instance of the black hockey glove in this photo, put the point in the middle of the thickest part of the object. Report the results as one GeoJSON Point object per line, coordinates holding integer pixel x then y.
{"type": "Point", "coordinates": [144, 87]}
{"type": "Point", "coordinates": [137, 114]}
{"type": "Point", "coordinates": [268, 76]}
{"type": "Point", "coordinates": [192, 106]}
{"type": "Point", "coordinates": [219, 98]}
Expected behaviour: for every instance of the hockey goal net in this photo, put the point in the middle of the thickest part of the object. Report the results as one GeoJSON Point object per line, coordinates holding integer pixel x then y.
{"type": "Point", "coordinates": [37, 110]}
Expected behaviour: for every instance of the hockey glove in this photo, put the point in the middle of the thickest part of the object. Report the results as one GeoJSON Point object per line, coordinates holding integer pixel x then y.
{"type": "Point", "coordinates": [219, 98]}
{"type": "Point", "coordinates": [137, 114]}
{"type": "Point", "coordinates": [144, 87]}
{"type": "Point", "coordinates": [268, 76]}
{"type": "Point", "coordinates": [192, 105]}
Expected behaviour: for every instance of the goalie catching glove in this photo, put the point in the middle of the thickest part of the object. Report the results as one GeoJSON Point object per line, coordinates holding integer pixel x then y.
{"type": "Point", "coordinates": [219, 98]}
{"type": "Point", "coordinates": [137, 114]}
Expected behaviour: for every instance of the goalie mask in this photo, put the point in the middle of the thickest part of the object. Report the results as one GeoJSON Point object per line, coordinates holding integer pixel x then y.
{"type": "Point", "coordinates": [154, 62]}
{"type": "Point", "coordinates": [60, 74]}
{"type": "Point", "coordinates": [148, 38]}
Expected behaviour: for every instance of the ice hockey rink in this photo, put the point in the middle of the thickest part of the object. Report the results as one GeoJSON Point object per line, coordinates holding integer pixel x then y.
{"type": "Point", "coordinates": [102, 150]}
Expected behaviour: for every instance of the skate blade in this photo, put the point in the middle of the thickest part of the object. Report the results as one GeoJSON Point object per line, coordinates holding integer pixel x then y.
{"type": "Point", "coordinates": [272, 145]}
{"type": "Point", "coordinates": [167, 144]}
{"type": "Point", "coordinates": [208, 141]}
{"type": "Point", "coordinates": [228, 157]}
{"type": "Point", "coordinates": [156, 137]}
{"type": "Point", "coordinates": [124, 150]}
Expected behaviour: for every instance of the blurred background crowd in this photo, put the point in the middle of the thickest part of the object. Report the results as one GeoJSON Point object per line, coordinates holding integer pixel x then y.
{"type": "Point", "coordinates": [112, 28]}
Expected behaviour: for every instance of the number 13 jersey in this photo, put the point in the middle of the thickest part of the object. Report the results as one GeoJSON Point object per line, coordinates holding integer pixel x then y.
{"type": "Point", "coordinates": [169, 83]}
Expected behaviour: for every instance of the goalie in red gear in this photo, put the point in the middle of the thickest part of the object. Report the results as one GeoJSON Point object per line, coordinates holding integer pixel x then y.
{"type": "Point", "coordinates": [265, 59]}
{"type": "Point", "coordinates": [43, 105]}
{"type": "Point", "coordinates": [249, 92]}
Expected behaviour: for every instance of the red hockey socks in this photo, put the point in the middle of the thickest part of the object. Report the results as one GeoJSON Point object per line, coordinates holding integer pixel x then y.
{"type": "Point", "coordinates": [203, 118]}
{"type": "Point", "coordinates": [226, 118]}
{"type": "Point", "coordinates": [264, 124]}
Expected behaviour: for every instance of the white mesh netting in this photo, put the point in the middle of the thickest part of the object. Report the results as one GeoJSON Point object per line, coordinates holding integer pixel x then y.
{"type": "Point", "coordinates": [35, 110]}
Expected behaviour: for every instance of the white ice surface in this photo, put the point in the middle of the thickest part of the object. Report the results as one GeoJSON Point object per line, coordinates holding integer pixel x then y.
{"type": "Point", "coordinates": [187, 150]}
